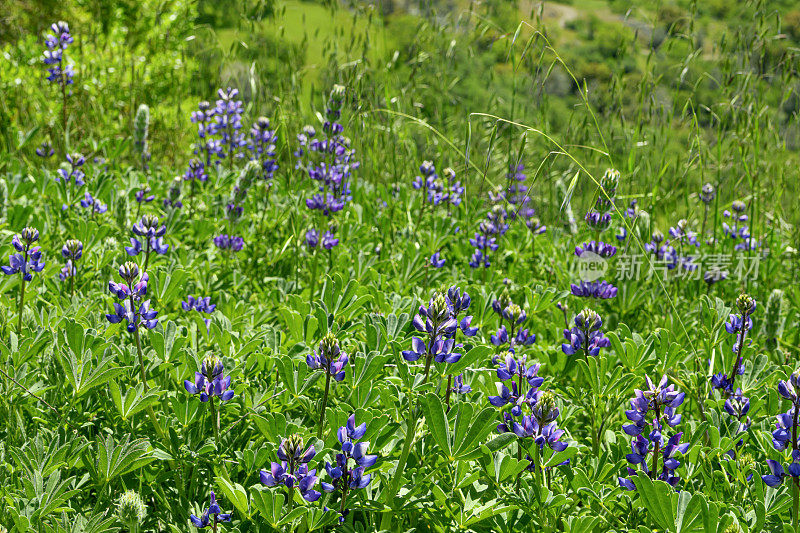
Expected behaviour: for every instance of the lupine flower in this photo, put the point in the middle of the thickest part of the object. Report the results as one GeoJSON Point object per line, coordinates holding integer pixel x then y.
{"type": "Point", "coordinates": [738, 228]}
{"type": "Point", "coordinates": [737, 406]}
{"type": "Point", "coordinates": [228, 123]}
{"type": "Point", "coordinates": [130, 293]}
{"type": "Point", "coordinates": [737, 325]}
{"type": "Point", "coordinates": [682, 234]}
{"type": "Point", "coordinates": [69, 270]}
{"type": "Point", "coordinates": [227, 242]}
{"type": "Point", "coordinates": [329, 358]}
{"type": "Point", "coordinates": [459, 387]}
{"type": "Point", "coordinates": [659, 402]}
{"type": "Point", "coordinates": [348, 471]}
{"type": "Point", "coordinates": [707, 193]}
{"type": "Point", "coordinates": [783, 437]}
{"type": "Point", "coordinates": [262, 146]}
{"type": "Point", "coordinates": [328, 160]}
{"type": "Point", "coordinates": [71, 251]}
{"type": "Point", "coordinates": [539, 425]}
{"type": "Point", "coordinates": [148, 228]}
{"type": "Point", "coordinates": [196, 171]}
{"type": "Point", "coordinates": [438, 191]}
{"type": "Point", "coordinates": [212, 516]}
{"type": "Point", "coordinates": [312, 238]}
{"type": "Point", "coordinates": [56, 43]}
{"type": "Point", "coordinates": [211, 381]}
{"type": "Point", "coordinates": [437, 322]}
{"type": "Point", "coordinates": [485, 240]}
{"type": "Point", "coordinates": [586, 336]}
{"type": "Point", "coordinates": [535, 226]}
{"type": "Point", "coordinates": [293, 470]}
{"type": "Point", "coordinates": [201, 305]}
{"type": "Point", "coordinates": [510, 366]}
{"type": "Point", "coordinates": [89, 202]}
{"type": "Point", "coordinates": [437, 261]}
{"type": "Point", "coordinates": [596, 247]}
{"type": "Point", "coordinates": [72, 172]}
{"type": "Point", "coordinates": [600, 289]}
{"type": "Point", "coordinates": [599, 218]}
{"type": "Point", "coordinates": [501, 303]}
{"type": "Point", "coordinates": [515, 193]}
{"type": "Point", "coordinates": [45, 151]}
{"type": "Point", "coordinates": [143, 195]}
{"type": "Point", "coordinates": [29, 258]}
{"type": "Point", "coordinates": [206, 145]}
{"type": "Point", "coordinates": [458, 302]}
{"type": "Point", "coordinates": [329, 241]}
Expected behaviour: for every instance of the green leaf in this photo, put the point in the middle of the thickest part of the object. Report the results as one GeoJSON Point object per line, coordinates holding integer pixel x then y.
{"type": "Point", "coordinates": [478, 353]}
{"type": "Point", "coordinates": [658, 499]}
{"type": "Point", "coordinates": [235, 493]}
{"type": "Point", "coordinates": [437, 422]}
{"type": "Point", "coordinates": [479, 428]}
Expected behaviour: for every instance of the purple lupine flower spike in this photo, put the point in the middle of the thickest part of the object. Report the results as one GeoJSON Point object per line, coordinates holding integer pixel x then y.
{"type": "Point", "coordinates": [212, 516]}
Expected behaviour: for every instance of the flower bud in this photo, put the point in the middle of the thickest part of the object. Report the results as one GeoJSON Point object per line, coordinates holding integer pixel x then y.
{"type": "Point", "coordinates": [329, 346]}
{"type": "Point", "coordinates": [545, 410]}
{"type": "Point", "coordinates": [746, 304]}
{"type": "Point", "coordinates": [141, 124]}
{"type": "Point", "coordinates": [292, 446]}
{"type": "Point", "coordinates": [29, 235]}
{"type": "Point", "coordinates": [73, 249]}
{"type": "Point", "coordinates": [438, 310]}
{"type": "Point", "coordinates": [131, 510]}
{"type": "Point", "coordinates": [129, 271]}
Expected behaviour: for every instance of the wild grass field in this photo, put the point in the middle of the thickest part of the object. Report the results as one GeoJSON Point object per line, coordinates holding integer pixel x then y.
{"type": "Point", "coordinates": [400, 265]}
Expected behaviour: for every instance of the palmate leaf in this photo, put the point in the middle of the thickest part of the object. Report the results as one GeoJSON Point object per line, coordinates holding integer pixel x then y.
{"type": "Point", "coordinates": [46, 496]}
{"type": "Point", "coordinates": [679, 512]}
{"type": "Point", "coordinates": [112, 460]}
{"type": "Point", "coordinates": [83, 376]}
{"type": "Point", "coordinates": [469, 428]}
{"type": "Point", "coordinates": [234, 493]}
{"type": "Point", "coordinates": [437, 422]}
{"type": "Point", "coordinates": [134, 400]}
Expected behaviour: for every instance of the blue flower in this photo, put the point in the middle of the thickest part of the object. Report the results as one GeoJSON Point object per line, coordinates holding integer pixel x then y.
{"type": "Point", "coordinates": [210, 381]}
{"type": "Point", "coordinates": [212, 516]}
{"type": "Point", "coordinates": [594, 289]}
{"type": "Point", "coordinates": [293, 472]}
{"type": "Point", "coordinates": [201, 305]}
{"type": "Point", "coordinates": [344, 476]}
{"type": "Point", "coordinates": [437, 261]}
{"type": "Point", "coordinates": [586, 336]}
{"type": "Point", "coordinates": [29, 258]}
{"type": "Point", "coordinates": [329, 358]}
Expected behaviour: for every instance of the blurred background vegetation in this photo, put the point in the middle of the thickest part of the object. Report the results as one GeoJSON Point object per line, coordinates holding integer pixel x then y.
{"type": "Point", "coordinates": [674, 93]}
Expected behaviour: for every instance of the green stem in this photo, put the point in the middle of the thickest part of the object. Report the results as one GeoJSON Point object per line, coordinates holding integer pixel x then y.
{"type": "Point", "coordinates": [289, 499]}
{"type": "Point", "coordinates": [214, 421]}
{"type": "Point", "coordinates": [150, 411]}
{"type": "Point", "coordinates": [313, 280]}
{"type": "Point", "coordinates": [447, 394]}
{"type": "Point", "coordinates": [795, 503]}
{"type": "Point", "coordinates": [21, 306]}
{"type": "Point", "coordinates": [324, 403]}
